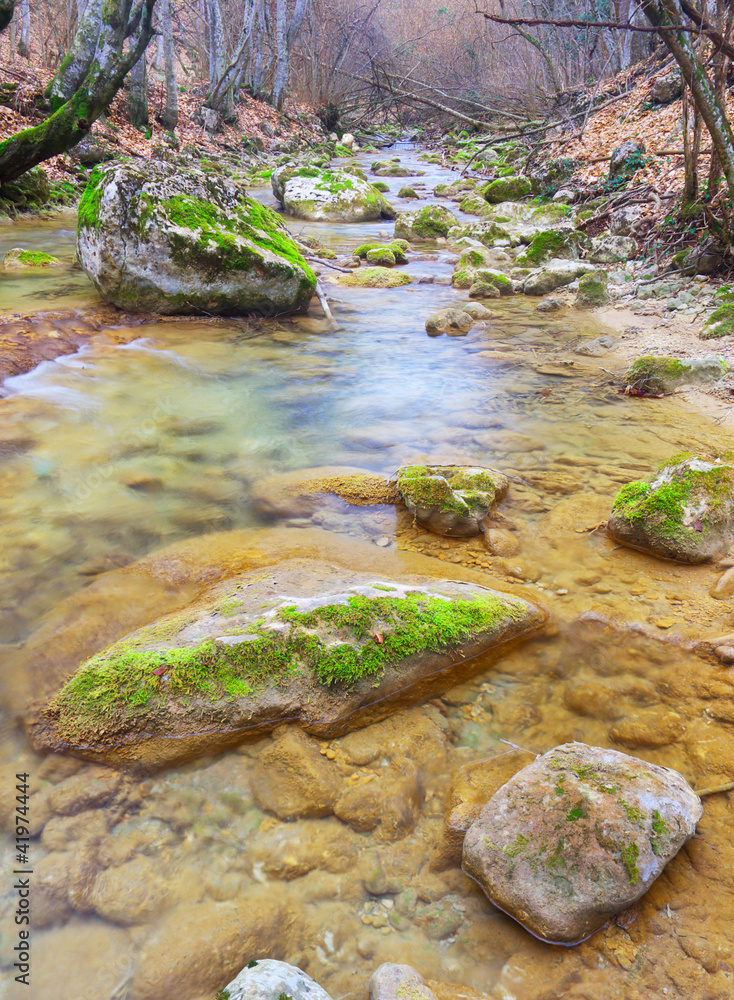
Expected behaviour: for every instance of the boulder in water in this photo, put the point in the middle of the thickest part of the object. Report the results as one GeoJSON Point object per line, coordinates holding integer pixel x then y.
{"type": "Point", "coordinates": [306, 642]}
{"type": "Point", "coordinates": [19, 259]}
{"type": "Point", "coordinates": [577, 836]}
{"type": "Point", "coordinates": [266, 979]}
{"type": "Point", "coordinates": [685, 511]}
{"type": "Point", "coordinates": [321, 195]}
{"type": "Point", "coordinates": [155, 237]}
{"type": "Point", "coordinates": [451, 500]}
{"type": "Point", "coordinates": [555, 274]}
{"type": "Point", "coordinates": [427, 223]}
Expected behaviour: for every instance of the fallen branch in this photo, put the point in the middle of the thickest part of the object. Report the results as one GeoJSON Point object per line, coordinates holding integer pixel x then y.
{"type": "Point", "coordinates": [337, 267]}
{"type": "Point", "coordinates": [715, 789]}
{"type": "Point", "coordinates": [325, 305]}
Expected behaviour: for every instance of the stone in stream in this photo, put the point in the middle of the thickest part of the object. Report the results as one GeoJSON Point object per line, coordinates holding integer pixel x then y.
{"type": "Point", "coordinates": [398, 248]}
{"type": "Point", "coordinates": [391, 168]}
{"type": "Point", "coordinates": [300, 492]}
{"type": "Point", "coordinates": [555, 274]}
{"type": "Point", "coordinates": [399, 982]}
{"type": "Point", "coordinates": [304, 642]}
{"type": "Point", "coordinates": [320, 195]}
{"type": "Point", "coordinates": [156, 237]}
{"type": "Point", "coordinates": [266, 979]}
{"type": "Point", "coordinates": [592, 290]}
{"type": "Point", "coordinates": [661, 374]}
{"type": "Point", "coordinates": [454, 322]}
{"type": "Point", "coordinates": [451, 500]}
{"type": "Point", "coordinates": [19, 259]}
{"type": "Point", "coordinates": [425, 223]}
{"type": "Point", "coordinates": [375, 277]}
{"type": "Point", "coordinates": [685, 511]}
{"type": "Point", "coordinates": [577, 836]}
{"type": "Point", "coordinates": [507, 189]}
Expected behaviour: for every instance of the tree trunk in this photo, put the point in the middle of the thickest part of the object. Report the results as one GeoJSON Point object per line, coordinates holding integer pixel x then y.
{"type": "Point", "coordinates": [231, 74]}
{"type": "Point", "coordinates": [137, 96]}
{"type": "Point", "coordinates": [6, 13]}
{"type": "Point", "coordinates": [24, 45]}
{"type": "Point", "coordinates": [660, 14]}
{"type": "Point", "coordinates": [257, 72]}
{"type": "Point", "coordinates": [219, 62]}
{"type": "Point", "coordinates": [285, 36]}
{"type": "Point", "coordinates": [75, 65]}
{"type": "Point", "coordinates": [169, 118]}
{"type": "Point", "coordinates": [121, 19]}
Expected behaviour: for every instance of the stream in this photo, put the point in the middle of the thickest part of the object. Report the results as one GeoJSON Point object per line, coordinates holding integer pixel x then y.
{"type": "Point", "coordinates": [122, 448]}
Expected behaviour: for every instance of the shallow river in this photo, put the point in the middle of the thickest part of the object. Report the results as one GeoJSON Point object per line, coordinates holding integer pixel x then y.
{"type": "Point", "coordinates": [142, 888]}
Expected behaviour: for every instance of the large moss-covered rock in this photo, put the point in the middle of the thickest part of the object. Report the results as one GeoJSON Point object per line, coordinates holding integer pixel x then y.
{"type": "Point", "coordinates": [451, 500]}
{"type": "Point", "coordinates": [685, 511]}
{"type": "Point", "coordinates": [507, 189]}
{"type": "Point", "coordinates": [156, 237]}
{"type": "Point", "coordinates": [546, 244]}
{"type": "Point", "coordinates": [425, 223]}
{"type": "Point", "coordinates": [477, 266]}
{"type": "Point", "coordinates": [321, 195]}
{"type": "Point", "coordinates": [660, 374]}
{"type": "Point", "coordinates": [489, 233]}
{"type": "Point", "coordinates": [578, 835]}
{"type": "Point", "coordinates": [19, 259]}
{"type": "Point", "coordinates": [306, 642]}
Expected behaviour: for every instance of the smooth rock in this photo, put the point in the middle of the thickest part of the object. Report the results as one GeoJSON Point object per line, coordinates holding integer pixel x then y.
{"type": "Point", "coordinates": [398, 982]}
{"type": "Point", "coordinates": [577, 836]}
{"type": "Point", "coordinates": [555, 274]}
{"type": "Point", "coordinates": [266, 979]}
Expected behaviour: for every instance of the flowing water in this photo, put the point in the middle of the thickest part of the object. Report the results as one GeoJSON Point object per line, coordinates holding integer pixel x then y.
{"type": "Point", "coordinates": [112, 452]}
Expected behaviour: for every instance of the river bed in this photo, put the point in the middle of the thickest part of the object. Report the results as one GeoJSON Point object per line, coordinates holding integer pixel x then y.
{"type": "Point", "coordinates": [108, 454]}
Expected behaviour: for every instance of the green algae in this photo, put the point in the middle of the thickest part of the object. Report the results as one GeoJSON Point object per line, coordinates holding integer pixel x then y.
{"type": "Point", "coordinates": [130, 676]}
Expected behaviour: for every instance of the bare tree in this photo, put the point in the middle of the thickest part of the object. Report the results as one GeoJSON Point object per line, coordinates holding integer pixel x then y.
{"type": "Point", "coordinates": [169, 118]}
{"type": "Point", "coordinates": [24, 45]}
{"type": "Point", "coordinates": [75, 65]}
{"type": "Point", "coordinates": [137, 95]}
{"type": "Point", "coordinates": [286, 34]}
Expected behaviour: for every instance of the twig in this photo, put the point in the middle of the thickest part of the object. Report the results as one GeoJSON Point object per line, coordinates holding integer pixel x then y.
{"type": "Point", "coordinates": [715, 789]}
{"type": "Point", "coordinates": [325, 304]}
{"type": "Point", "coordinates": [320, 260]}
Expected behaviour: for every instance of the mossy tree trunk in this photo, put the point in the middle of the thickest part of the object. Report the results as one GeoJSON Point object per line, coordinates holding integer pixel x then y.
{"type": "Point", "coordinates": [121, 19]}
{"type": "Point", "coordinates": [75, 65]}
{"type": "Point", "coordinates": [24, 45]}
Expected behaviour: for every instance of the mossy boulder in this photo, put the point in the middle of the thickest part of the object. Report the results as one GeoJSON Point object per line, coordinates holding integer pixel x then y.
{"type": "Point", "coordinates": [308, 643]}
{"type": "Point", "coordinates": [380, 186]}
{"type": "Point", "coordinates": [408, 192]}
{"type": "Point", "coordinates": [511, 188]}
{"type": "Point", "coordinates": [720, 323]}
{"type": "Point", "coordinates": [548, 177]}
{"type": "Point", "coordinates": [451, 500]}
{"type": "Point", "coordinates": [19, 259]}
{"type": "Point", "coordinates": [612, 249]}
{"type": "Point", "coordinates": [375, 277]}
{"type": "Point", "coordinates": [474, 269]}
{"type": "Point", "coordinates": [592, 290]}
{"type": "Point", "coordinates": [578, 835]}
{"type": "Point", "coordinates": [30, 191]}
{"type": "Point", "coordinates": [489, 233]}
{"type": "Point", "coordinates": [490, 283]}
{"type": "Point", "coordinates": [427, 223]}
{"type": "Point", "coordinates": [381, 257]}
{"type": "Point", "coordinates": [652, 374]}
{"type": "Point", "coordinates": [155, 237]}
{"type": "Point", "coordinates": [456, 191]}
{"type": "Point", "coordinates": [474, 204]}
{"type": "Point", "coordinates": [685, 511]}
{"type": "Point", "coordinates": [561, 243]}
{"type": "Point", "coordinates": [397, 248]}
{"type": "Point", "coordinates": [320, 195]}
{"type": "Point", "coordinates": [390, 168]}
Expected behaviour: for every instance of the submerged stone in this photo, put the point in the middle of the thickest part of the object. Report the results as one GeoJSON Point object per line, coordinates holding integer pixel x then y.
{"type": "Point", "coordinates": [375, 277]}
{"type": "Point", "coordinates": [685, 511]}
{"type": "Point", "coordinates": [322, 195]}
{"type": "Point", "coordinates": [577, 836]}
{"type": "Point", "coordinates": [451, 500]}
{"type": "Point", "coordinates": [155, 237]}
{"type": "Point", "coordinates": [304, 642]}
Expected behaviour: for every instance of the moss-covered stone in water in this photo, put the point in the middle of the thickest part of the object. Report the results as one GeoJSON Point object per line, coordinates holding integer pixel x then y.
{"type": "Point", "coordinates": [380, 186]}
{"type": "Point", "coordinates": [592, 290]}
{"type": "Point", "coordinates": [407, 192]}
{"type": "Point", "coordinates": [19, 258]}
{"type": "Point", "coordinates": [428, 223]}
{"type": "Point", "coordinates": [381, 257]}
{"type": "Point", "coordinates": [375, 277]}
{"type": "Point", "coordinates": [461, 493]}
{"type": "Point", "coordinates": [396, 247]}
{"type": "Point", "coordinates": [131, 674]}
{"type": "Point", "coordinates": [507, 189]}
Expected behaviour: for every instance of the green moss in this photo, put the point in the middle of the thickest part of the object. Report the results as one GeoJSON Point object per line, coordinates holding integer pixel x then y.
{"type": "Point", "coordinates": [380, 186]}
{"type": "Point", "coordinates": [396, 247]}
{"type": "Point", "coordinates": [407, 192]}
{"type": "Point", "coordinates": [576, 813]}
{"type": "Point", "coordinates": [719, 324]}
{"type": "Point", "coordinates": [633, 814]}
{"type": "Point", "coordinates": [520, 845]}
{"type": "Point", "coordinates": [629, 854]}
{"type": "Point", "coordinates": [375, 277]}
{"type": "Point", "coordinates": [128, 676]}
{"type": "Point", "coordinates": [91, 200]}
{"type": "Point", "coordinates": [659, 829]}
{"type": "Point", "coordinates": [509, 188]}
{"type": "Point", "coordinates": [547, 244]}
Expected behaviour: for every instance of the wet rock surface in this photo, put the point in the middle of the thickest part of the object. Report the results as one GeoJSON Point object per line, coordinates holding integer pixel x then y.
{"type": "Point", "coordinates": [269, 980]}
{"type": "Point", "coordinates": [577, 836]}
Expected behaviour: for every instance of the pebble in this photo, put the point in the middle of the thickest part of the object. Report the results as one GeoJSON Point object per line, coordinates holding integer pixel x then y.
{"type": "Point", "coordinates": [725, 654]}
{"type": "Point", "coordinates": [383, 541]}
{"type": "Point", "coordinates": [665, 622]}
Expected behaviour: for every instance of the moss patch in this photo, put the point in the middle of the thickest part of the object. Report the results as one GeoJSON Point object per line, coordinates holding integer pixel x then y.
{"type": "Point", "coordinates": [720, 323]}
{"type": "Point", "coordinates": [375, 277]}
{"type": "Point", "coordinates": [451, 490]}
{"type": "Point", "coordinates": [510, 188]}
